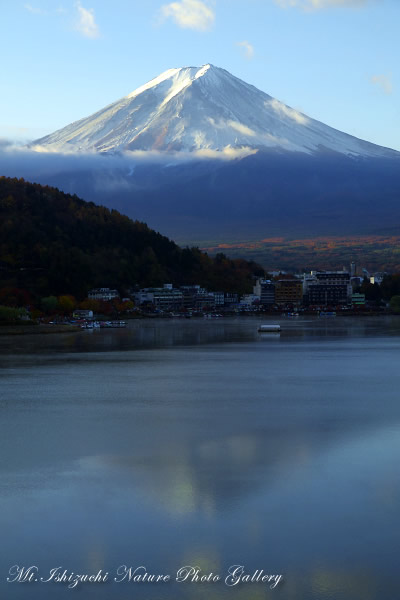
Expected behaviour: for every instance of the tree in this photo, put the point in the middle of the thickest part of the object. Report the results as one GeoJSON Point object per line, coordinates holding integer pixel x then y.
{"type": "Point", "coordinates": [395, 304]}
{"type": "Point", "coordinates": [11, 315]}
{"type": "Point", "coordinates": [66, 303]}
{"type": "Point", "coordinates": [123, 307]}
{"type": "Point", "coordinates": [10, 296]}
{"type": "Point", "coordinates": [372, 291]}
{"type": "Point", "coordinates": [390, 286]}
{"type": "Point", "coordinates": [90, 304]}
{"type": "Point", "coordinates": [49, 304]}
{"type": "Point", "coordinates": [52, 243]}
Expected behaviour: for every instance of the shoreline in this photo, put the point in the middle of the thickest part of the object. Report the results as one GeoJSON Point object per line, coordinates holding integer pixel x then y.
{"type": "Point", "coordinates": [37, 329]}
{"type": "Point", "coordinates": [42, 328]}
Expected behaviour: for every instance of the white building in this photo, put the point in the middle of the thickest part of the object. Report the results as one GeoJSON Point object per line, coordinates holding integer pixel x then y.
{"type": "Point", "coordinates": [165, 298]}
{"type": "Point", "coordinates": [249, 299]}
{"type": "Point", "coordinates": [219, 298]}
{"type": "Point", "coordinates": [105, 294]}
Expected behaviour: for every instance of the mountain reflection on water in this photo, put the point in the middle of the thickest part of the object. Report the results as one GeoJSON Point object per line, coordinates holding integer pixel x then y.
{"type": "Point", "coordinates": [176, 443]}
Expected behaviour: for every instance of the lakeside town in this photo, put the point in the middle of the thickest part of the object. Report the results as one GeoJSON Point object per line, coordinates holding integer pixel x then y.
{"type": "Point", "coordinates": [325, 293]}
{"type": "Point", "coordinates": [64, 260]}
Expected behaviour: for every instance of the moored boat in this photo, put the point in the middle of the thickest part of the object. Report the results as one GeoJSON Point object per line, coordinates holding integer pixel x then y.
{"type": "Point", "coordinates": [113, 324]}
{"type": "Point", "coordinates": [269, 328]}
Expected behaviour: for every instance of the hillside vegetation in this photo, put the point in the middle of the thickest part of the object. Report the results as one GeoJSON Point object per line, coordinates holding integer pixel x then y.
{"type": "Point", "coordinates": [56, 243]}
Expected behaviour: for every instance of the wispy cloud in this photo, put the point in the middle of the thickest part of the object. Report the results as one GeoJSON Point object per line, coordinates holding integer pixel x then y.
{"type": "Point", "coordinates": [310, 5]}
{"type": "Point", "coordinates": [247, 48]}
{"type": "Point", "coordinates": [384, 82]}
{"type": "Point", "coordinates": [282, 110]}
{"type": "Point", "coordinates": [189, 14]}
{"type": "Point", "coordinates": [240, 128]}
{"type": "Point", "coordinates": [227, 153]}
{"type": "Point", "coordinates": [5, 143]}
{"type": "Point", "coordinates": [35, 9]}
{"type": "Point", "coordinates": [38, 164]}
{"type": "Point", "coordinates": [86, 23]}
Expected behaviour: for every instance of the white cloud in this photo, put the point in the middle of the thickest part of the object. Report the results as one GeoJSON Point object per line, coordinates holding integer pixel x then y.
{"type": "Point", "coordinates": [310, 5]}
{"type": "Point", "coordinates": [240, 128]}
{"type": "Point", "coordinates": [31, 163]}
{"type": "Point", "coordinates": [34, 9]}
{"type": "Point", "coordinates": [247, 48]}
{"type": "Point", "coordinates": [189, 14]}
{"type": "Point", "coordinates": [383, 81]}
{"type": "Point", "coordinates": [86, 23]}
{"type": "Point", "coordinates": [227, 153]}
{"type": "Point", "coordinates": [282, 109]}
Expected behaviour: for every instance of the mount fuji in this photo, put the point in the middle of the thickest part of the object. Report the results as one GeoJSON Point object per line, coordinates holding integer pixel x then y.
{"type": "Point", "coordinates": [155, 155]}
{"type": "Point", "coordinates": [198, 109]}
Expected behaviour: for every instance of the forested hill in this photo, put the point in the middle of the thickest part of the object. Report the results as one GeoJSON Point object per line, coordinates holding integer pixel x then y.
{"type": "Point", "coordinates": [55, 243]}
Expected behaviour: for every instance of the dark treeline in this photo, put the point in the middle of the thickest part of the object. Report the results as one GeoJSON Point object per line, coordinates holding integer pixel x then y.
{"type": "Point", "coordinates": [55, 243]}
{"type": "Point", "coordinates": [389, 288]}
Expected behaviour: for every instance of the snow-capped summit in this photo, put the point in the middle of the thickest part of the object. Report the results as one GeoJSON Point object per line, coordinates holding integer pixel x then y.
{"type": "Point", "coordinates": [201, 109]}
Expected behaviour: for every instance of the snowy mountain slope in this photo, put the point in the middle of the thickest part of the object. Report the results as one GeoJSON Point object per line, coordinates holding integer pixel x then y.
{"type": "Point", "coordinates": [202, 109]}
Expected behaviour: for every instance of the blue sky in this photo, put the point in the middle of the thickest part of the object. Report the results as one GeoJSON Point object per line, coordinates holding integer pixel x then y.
{"type": "Point", "coordinates": [336, 60]}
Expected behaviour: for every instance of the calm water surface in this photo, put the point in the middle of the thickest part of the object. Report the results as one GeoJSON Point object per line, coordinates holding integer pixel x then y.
{"type": "Point", "coordinates": [203, 443]}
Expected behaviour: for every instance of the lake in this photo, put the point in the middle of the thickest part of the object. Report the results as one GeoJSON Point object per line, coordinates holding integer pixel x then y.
{"type": "Point", "coordinates": [203, 444]}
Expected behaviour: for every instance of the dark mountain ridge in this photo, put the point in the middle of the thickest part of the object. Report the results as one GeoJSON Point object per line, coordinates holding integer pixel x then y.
{"type": "Point", "coordinates": [265, 194]}
{"type": "Point", "coordinates": [56, 243]}
{"type": "Point", "coordinates": [205, 157]}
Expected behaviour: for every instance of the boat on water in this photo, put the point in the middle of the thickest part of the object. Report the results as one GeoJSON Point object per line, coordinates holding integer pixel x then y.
{"type": "Point", "coordinates": [269, 328]}
{"type": "Point", "coordinates": [327, 313]}
{"type": "Point", "coordinates": [90, 325]}
{"type": "Point", "coordinates": [112, 324]}
{"type": "Point", "coordinates": [103, 324]}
